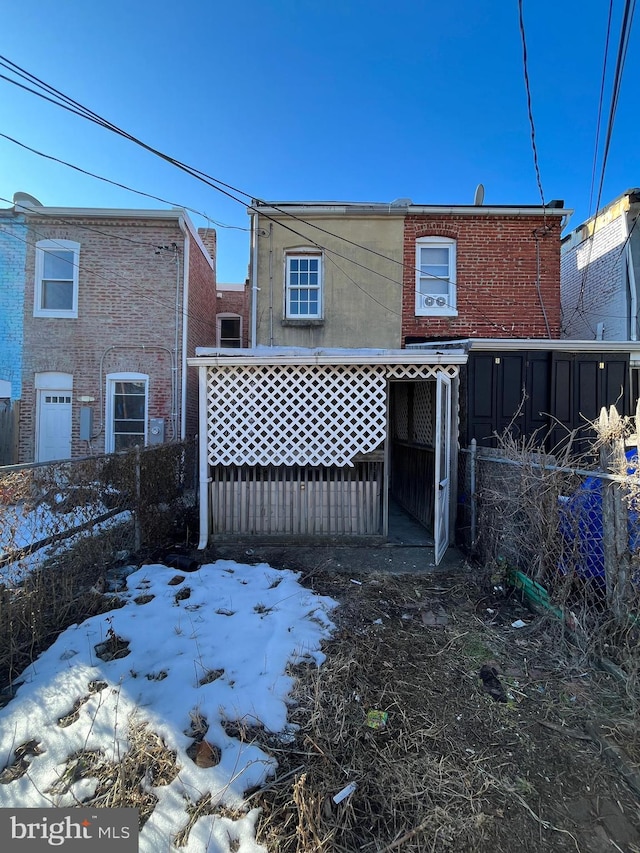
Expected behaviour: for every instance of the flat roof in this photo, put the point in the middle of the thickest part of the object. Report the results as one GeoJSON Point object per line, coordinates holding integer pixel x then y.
{"type": "Point", "coordinates": [224, 357]}
{"type": "Point", "coordinates": [403, 207]}
{"type": "Point", "coordinates": [512, 344]}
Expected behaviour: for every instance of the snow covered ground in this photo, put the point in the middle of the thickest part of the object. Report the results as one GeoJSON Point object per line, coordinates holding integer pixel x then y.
{"type": "Point", "coordinates": [192, 656]}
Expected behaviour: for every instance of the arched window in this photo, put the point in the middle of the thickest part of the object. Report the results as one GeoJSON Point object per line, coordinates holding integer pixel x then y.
{"type": "Point", "coordinates": [229, 330]}
{"type": "Point", "coordinates": [436, 277]}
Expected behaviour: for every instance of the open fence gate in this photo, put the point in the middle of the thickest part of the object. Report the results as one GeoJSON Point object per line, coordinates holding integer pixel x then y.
{"type": "Point", "coordinates": [442, 467]}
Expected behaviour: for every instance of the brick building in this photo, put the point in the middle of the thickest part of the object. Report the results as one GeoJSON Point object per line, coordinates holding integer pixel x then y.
{"type": "Point", "coordinates": [478, 272]}
{"type": "Point", "coordinates": [371, 275]}
{"type": "Point", "coordinates": [114, 302]}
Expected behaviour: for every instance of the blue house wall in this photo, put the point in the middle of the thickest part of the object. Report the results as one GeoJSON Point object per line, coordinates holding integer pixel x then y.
{"type": "Point", "coordinates": [13, 250]}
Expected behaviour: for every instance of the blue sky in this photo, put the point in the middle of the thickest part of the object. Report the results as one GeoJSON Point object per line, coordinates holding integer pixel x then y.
{"type": "Point", "coordinates": [293, 99]}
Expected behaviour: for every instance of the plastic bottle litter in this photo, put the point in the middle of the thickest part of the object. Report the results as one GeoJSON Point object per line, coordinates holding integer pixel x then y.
{"type": "Point", "coordinates": [345, 792]}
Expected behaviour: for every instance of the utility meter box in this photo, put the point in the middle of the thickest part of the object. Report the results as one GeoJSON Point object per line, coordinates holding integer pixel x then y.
{"type": "Point", "coordinates": [156, 430]}
{"type": "Point", "coordinates": [86, 423]}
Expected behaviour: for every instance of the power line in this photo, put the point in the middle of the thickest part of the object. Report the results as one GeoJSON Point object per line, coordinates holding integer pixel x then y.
{"type": "Point", "coordinates": [59, 218]}
{"type": "Point", "coordinates": [118, 184]}
{"type": "Point", "coordinates": [153, 299]}
{"type": "Point", "coordinates": [621, 55]}
{"type": "Point", "coordinates": [529, 106]}
{"type": "Point", "coordinates": [600, 104]}
{"type": "Point", "coordinates": [68, 103]}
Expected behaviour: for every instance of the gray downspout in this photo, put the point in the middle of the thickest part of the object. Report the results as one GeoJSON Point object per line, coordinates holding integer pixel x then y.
{"type": "Point", "coordinates": [631, 278]}
{"type": "Point", "coordinates": [185, 314]}
{"type": "Point", "coordinates": [254, 279]}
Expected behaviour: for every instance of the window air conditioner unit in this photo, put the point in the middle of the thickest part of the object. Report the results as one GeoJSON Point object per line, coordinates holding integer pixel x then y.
{"type": "Point", "coordinates": [430, 301]}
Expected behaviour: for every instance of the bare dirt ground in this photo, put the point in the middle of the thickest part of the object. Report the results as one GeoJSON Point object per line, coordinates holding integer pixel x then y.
{"type": "Point", "coordinates": [497, 738]}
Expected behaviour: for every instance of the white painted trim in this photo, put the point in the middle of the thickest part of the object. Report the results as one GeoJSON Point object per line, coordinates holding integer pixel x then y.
{"type": "Point", "coordinates": [511, 344]}
{"type": "Point", "coordinates": [298, 253]}
{"type": "Point", "coordinates": [277, 209]}
{"type": "Point", "coordinates": [232, 357]}
{"type": "Point", "coordinates": [42, 248]}
{"type": "Point", "coordinates": [51, 380]}
{"type": "Point", "coordinates": [230, 286]}
{"type": "Point", "coordinates": [450, 309]}
{"type": "Point", "coordinates": [111, 379]}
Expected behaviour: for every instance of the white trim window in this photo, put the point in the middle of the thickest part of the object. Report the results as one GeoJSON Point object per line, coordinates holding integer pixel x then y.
{"type": "Point", "coordinates": [56, 286]}
{"type": "Point", "coordinates": [229, 329]}
{"type": "Point", "coordinates": [303, 286]}
{"type": "Point", "coordinates": [436, 277]}
{"type": "Point", "coordinates": [126, 411]}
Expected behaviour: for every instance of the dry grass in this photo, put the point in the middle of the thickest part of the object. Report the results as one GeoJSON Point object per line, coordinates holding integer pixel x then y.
{"type": "Point", "coordinates": [452, 769]}
{"type": "Point", "coordinates": [125, 783]}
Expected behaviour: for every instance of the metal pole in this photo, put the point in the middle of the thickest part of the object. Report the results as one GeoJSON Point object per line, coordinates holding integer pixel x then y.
{"type": "Point", "coordinates": [473, 463]}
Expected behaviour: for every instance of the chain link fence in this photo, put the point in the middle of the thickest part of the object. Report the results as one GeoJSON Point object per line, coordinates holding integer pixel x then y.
{"type": "Point", "coordinates": [564, 530]}
{"type": "Point", "coordinates": [65, 525]}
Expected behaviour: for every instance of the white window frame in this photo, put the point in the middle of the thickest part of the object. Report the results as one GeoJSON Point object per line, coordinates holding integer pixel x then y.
{"type": "Point", "coordinates": [449, 309]}
{"type": "Point", "coordinates": [303, 254]}
{"type": "Point", "coordinates": [227, 315]}
{"type": "Point", "coordinates": [109, 432]}
{"type": "Point", "coordinates": [42, 247]}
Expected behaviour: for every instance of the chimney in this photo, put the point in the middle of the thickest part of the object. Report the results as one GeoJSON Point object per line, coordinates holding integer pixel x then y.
{"type": "Point", "coordinates": [208, 237]}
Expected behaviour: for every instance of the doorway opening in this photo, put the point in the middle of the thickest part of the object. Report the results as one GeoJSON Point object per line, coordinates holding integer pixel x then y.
{"type": "Point", "coordinates": [419, 463]}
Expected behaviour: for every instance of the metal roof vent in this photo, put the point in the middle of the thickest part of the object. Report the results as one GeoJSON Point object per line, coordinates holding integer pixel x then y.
{"type": "Point", "coordinates": [25, 200]}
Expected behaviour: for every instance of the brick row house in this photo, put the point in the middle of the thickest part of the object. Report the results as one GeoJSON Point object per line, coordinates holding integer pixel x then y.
{"type": "Point", "coordinates": [112, 303]}
{"type": "Point", "coordinates": [355, 390]}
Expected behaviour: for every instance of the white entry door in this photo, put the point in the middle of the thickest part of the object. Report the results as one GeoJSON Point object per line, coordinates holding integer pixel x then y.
{"type": "Point", "coordinates": [442, 466]}
{"type": "Point", "coordinates": [54, 425]}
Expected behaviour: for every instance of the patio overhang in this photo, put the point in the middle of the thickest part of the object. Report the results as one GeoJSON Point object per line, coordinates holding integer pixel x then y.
{"type": "Point", "coordinates": [300, 407]}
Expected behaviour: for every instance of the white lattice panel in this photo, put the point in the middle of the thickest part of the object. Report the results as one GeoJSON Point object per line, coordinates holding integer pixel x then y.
{"type": "Point", "coordinates": [421, 371]}
{"type": "Point", "coordinates": [294, 415]}
{"type": "Point", "coordinates": [423, 412]}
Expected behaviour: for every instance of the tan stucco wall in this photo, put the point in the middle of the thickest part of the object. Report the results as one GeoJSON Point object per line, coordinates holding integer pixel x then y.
{"type": "Point", "coordinates": [362, 304]}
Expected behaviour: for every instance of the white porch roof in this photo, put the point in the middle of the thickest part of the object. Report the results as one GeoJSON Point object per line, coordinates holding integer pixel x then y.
{"type": "Point", "coordinates": [212, 356]}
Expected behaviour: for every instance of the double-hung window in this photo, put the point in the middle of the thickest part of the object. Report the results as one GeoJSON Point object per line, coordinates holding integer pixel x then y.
{"type": "Point", "coordinates": [436, 277]}
{"type": "Point", "coordinates": [303, 290]}
{"type": "Point", "coordinates": [56, 286]}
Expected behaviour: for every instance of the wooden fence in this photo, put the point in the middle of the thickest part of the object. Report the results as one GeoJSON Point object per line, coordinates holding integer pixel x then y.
{"type": "Point", "coordinates": [9, 414]}
{"type": "Point", "coordinates": [297, 500]}
{"type": "Point", "coordinates": [412, 480]}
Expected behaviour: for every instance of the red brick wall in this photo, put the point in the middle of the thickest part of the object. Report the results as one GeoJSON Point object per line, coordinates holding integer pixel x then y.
{"type": "Point", "coordinates": [497, 295]}
{"type": "Point", "coordinates": [126, 318]}
{"type": "Point", "coordinates": [236, 302]}
{"type": "Point", "coordinates": [202, 316]}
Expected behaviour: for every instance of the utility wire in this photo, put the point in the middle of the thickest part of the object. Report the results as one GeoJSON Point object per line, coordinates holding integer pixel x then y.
{"type": "Point", "coordinates": [600, 104]}
{"type": "Point", "coordinates": [206, 324]}
{"type": "Point", "coordinates": [621, 55]}
{"type": "Point", "coordinates": [75, 107]}
{"type": "Point", "coordinates": [118, 184]}
{"type": "Point", "coordinates": [529, 106]}
{"type": "Point", "coordinates": [224, 188]}
{"type": "Point", "coordinates": [34, 211]}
